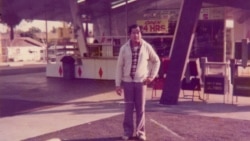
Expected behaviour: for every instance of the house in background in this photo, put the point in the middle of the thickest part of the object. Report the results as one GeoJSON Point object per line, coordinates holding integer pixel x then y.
{"type": "Point", "coordinates": [21, 49]}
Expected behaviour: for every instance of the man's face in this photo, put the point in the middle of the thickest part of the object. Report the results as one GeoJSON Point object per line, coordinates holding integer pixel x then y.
{"type": "Point", "coordinates": [135, 35]}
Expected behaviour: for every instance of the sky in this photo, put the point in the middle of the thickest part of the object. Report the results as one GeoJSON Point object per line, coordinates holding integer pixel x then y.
{"type": "Point", "coordinates": [41, 24]}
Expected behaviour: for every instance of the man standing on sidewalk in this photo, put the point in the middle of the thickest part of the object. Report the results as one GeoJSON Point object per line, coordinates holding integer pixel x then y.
{"type": "Point", "coordinates": [132, 75]}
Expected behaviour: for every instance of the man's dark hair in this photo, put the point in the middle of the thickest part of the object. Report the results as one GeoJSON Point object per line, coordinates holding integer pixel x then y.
{"type": "Point", "coordinates": [133, 27]}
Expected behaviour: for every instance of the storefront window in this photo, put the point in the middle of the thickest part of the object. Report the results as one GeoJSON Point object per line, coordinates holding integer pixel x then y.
{"type": "Point", "coordinates": [209, 40]}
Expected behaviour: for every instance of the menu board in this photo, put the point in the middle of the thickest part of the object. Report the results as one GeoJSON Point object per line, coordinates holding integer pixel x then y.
{"type": "Point", "coordinates": [214, 84]}
{"type": "Point", "coordinates": [241, 86]}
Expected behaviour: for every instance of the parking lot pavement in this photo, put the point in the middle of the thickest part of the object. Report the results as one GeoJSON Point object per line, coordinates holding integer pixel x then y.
{"type": "Point", "coordinates": [160, 126]}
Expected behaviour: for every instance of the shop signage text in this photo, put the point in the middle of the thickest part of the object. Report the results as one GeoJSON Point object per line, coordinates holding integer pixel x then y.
{"type": "Point", "coordinates": [153, 26]}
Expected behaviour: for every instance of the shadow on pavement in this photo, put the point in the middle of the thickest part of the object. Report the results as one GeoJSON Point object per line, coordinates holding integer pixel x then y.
{"type": "Point", "coordinates": [11, 107]}
{"type": "Point", "coordinates": [28, 92]}
{"type": "Point", "coordinates": [81, 108]}
{"type": "Point", "coordinates": [37, 87]}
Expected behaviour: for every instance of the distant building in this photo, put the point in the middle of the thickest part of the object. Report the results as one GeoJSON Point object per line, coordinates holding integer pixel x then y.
{"type": "Point", "coordinates": [21, 49]}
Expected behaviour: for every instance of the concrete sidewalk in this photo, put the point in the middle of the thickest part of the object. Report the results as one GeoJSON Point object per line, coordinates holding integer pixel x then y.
{"type": "Point", "coordinates": [75, 102]}
{"type": "Point", "coordinates": [35, 123]}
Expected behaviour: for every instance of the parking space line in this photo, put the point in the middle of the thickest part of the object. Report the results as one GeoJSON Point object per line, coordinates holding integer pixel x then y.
{"type": "Point", "coordinates": [167, 129]}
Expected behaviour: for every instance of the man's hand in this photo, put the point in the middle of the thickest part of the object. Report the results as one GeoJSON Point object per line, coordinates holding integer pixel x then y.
{"type": "Point", "coordinates": [118, 90]}
{"type": "Point", "coordinates": [148, 80]}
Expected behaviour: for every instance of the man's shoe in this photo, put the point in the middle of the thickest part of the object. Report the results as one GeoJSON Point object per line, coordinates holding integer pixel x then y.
{"type": "Point", "coordinates": [142, 137]}
{"type": "Point", "coordinates": [125, 138]}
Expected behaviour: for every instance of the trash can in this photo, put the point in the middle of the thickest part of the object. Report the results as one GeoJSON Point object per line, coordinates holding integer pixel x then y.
{"type": "Point", "coordinates": [68, 67]}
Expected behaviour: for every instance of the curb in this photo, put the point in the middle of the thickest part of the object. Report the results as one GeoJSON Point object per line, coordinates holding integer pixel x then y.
{"type": "Point", "coordinates": [22, 70]}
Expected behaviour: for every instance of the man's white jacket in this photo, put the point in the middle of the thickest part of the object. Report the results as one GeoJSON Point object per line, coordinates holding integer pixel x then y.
{"type": "Point", "coordinates": [148, 64]}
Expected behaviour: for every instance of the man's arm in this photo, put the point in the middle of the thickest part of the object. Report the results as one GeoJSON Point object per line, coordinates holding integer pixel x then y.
{"type": "Point", "coordinates": [118, 75]}
{"type": "Point", "coordinates": [155, 60]}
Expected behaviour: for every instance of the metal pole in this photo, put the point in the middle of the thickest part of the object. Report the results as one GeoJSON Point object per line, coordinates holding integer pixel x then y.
{"type": "Point", "coordinates": [46, 32]}
{"type": "Point", "coordinates": [47, 45]}
{"type": "Point", "coordinates": [126, 19]}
